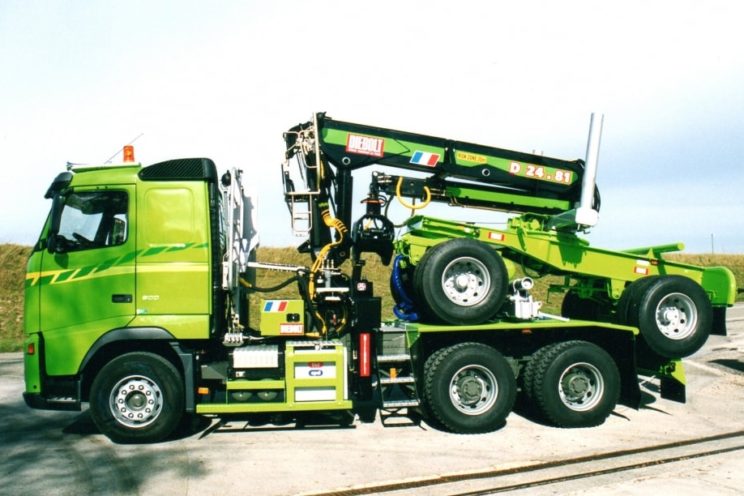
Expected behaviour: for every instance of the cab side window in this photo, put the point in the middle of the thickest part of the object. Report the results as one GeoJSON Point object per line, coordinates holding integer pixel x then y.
{"type": "Point", "coordinates": [94, 219]}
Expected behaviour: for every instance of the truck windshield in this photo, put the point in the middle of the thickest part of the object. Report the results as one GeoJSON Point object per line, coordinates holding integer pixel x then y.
{"type": "Point", "coordinates": [93, 219]}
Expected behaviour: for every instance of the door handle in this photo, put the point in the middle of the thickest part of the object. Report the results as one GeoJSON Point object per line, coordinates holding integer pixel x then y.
{"type": "Point", "coordinates": [121, 298]}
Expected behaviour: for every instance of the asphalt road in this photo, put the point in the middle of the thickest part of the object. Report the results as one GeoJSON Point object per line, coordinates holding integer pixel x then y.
{"type": "Point", "coordinates": [55, 453]}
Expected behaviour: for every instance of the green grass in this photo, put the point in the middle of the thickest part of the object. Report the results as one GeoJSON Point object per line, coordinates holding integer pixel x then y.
{"type": "Point", "coordinates": [13, 265]}
{"type": "Point", "coordinates": [12, 275]}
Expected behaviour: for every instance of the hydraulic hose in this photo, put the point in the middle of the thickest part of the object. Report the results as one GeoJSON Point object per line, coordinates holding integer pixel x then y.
{"type": "Point", "coordinates": [412, 206]}
{"type": "Point", "coordinates": [405, 309]}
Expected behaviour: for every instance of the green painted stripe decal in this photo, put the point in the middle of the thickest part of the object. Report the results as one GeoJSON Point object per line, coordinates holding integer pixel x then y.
{"type": "Point", "coordinates": [114, 267]}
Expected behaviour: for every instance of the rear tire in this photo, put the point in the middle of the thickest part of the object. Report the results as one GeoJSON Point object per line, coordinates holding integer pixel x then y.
{"type": "Point", "coordinates": [529, 372]}
{"type": "Point", "coordinates": [576, 384]}
{"type": "Point", "coordinates": [461, 282]}
{"type": "Point", "coordinates": [469, 388]}
{"type": "Point", "coordinates": [673, 314]}
{"type": "Point", "coordinates": [137, 398]}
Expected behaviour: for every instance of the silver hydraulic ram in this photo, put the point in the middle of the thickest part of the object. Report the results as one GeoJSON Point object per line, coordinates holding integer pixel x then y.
{"type": "Point", "coordinates": [585, 215]}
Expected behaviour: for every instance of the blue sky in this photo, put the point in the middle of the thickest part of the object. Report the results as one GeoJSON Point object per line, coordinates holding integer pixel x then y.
{"type": "Point", "coordinates": [225, 79]}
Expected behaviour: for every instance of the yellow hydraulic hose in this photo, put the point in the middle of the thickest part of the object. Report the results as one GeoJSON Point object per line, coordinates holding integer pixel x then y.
{"type": "Point", "coordinates": [412, 206]}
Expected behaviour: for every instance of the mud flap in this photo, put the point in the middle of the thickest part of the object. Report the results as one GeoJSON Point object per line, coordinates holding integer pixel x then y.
{"type": "Point", "coordinates": [673, 382]}
{"type": "Point", "coordinates": [719, 321]}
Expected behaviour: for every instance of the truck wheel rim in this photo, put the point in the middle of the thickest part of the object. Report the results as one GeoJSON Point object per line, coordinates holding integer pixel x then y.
{"type": "Point", "coordinates": [676, 316]}
{"type": "Point", "coordinates": [466, 281]}
{"type": "Point", "coordinates": [473, 390]}
{"type": "Point", "coordinates": [136, 401]}
{"type": "Point", "coordinates": [581, 386]}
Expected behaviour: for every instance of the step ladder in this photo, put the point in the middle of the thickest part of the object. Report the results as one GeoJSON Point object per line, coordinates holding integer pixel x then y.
{"type": "Point", "coordinates": [300, 211]}
{"type": "Point", "coordinates": [398, 391]}
{"type": "Point", "coordinates": [300, 202]}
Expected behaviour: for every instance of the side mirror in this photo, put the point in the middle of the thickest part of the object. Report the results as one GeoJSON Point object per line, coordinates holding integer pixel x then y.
{"type": "Point", "coordinates": [56, 243]}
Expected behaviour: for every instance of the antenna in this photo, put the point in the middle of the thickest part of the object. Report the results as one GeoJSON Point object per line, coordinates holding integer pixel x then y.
{"type": "Point", "coordinates": [122, 148]}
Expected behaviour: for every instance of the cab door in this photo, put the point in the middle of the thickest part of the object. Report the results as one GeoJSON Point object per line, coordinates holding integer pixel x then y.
{"type": "Point", "coordinates": [87, 278]}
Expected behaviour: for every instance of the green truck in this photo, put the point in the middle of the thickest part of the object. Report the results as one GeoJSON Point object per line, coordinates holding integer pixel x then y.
{"type": "Point", "coordinates": [136, 296]}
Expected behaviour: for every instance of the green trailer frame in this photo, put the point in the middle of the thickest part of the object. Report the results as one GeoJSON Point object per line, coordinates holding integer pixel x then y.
{"type": "Point", "coordinates": [595, 271]}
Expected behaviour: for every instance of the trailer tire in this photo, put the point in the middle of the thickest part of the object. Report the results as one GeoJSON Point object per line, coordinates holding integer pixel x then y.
{"type": "Point", "coordinates": [469, 388]}
{"type": "Point", "coordinates": [461, 282]}
{"type": "Point", "coordinates": [630, 299]}
{"type": "Point", "coordinates": [418, 282]}
{"type": "Point", "coordinates": [674, 315]}
{"type": "Point", "coordinates": [137, 398]}
{"type": "Point", "coordinates": [576, 384]}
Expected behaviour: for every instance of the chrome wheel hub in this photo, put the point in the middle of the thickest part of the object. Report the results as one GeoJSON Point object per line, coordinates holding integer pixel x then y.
{"type": "Point", "coordinates": [676, 316]}
{"type": "Point", "coordinates": [136, 401]}
{"type": "Point", "coordinates": [473, 390]}
{"type": "Point", "coordinates": [466, 281]}
{"type": "Point", "coordinates": [581, 386]}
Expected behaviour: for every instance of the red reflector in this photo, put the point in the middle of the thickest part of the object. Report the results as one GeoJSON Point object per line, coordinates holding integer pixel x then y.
{"type": "Point", "coordinates": [128, 153]}
{"type": "Point", "coordinates": [365, 363]}
{"type": "Point", "coordinates": [31, 349]}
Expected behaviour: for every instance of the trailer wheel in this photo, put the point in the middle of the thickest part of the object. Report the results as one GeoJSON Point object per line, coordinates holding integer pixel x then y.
{"type": "Point", "coordinates": [418, 283]}
{"type": "Point", "coordinates": [576, 384]}
{"type": "Point", "coordinates": [462, 281]}
{"type": "Point", "coordinates": [673, 314]}
{"type": "Point", "coordinates": [469, 388]}
{"type": "Point", "coordinates": [137, 398]}
{"type": "Point", "coordinates": [630, 299]}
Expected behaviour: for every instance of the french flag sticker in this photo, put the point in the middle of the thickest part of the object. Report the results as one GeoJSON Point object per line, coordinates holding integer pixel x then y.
{"type": "Point", "coordinates": [424, 158]}
{"type": "Point", "coordinates": [275, 306]}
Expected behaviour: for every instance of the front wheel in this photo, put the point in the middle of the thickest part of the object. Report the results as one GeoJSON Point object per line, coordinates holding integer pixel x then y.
{"type": "Point", "coordinates": [575, 384]}
{"type": "Point", "coordinates": [137, 398]}
{"type": "Point", "coordinates": [469, 388]}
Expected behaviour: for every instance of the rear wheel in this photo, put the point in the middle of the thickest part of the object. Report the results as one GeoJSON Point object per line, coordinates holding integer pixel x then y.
{"type": "Point", "coordinates": [576, 384]}
{"type": "Point", "coordinates": [673, 314]}
{"type": "Point", "coordinates": [469, 388]}
{"type": "Point", "coordinates": [461, 281]}
{"type": "Point", "coordinates": [137, 397]}
{"type": "Point", "coordinates": [529, 372]}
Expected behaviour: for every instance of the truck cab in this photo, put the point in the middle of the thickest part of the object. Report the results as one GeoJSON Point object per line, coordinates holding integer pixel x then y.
{"type": "Point", "coordinates": [127, 255]}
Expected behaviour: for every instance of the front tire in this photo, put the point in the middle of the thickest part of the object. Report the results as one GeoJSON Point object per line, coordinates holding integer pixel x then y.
{"type": "Point", "coordinates": [137, 398]}
{"type": "Point", "coordinates": [469, 388]}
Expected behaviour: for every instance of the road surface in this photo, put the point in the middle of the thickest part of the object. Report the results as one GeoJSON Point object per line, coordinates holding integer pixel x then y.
{"type": "Point", "coordinates": [60, 453]}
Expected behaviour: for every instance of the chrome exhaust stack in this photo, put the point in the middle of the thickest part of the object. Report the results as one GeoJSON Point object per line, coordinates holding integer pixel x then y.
{"type": "Point", "coordinates": [585, 215]}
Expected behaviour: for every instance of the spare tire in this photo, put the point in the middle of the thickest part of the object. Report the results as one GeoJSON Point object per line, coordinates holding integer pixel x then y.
{"type": "Point", "coordinates": [461, 282]}
{"type": "Point", "coordinates": [673, 313]}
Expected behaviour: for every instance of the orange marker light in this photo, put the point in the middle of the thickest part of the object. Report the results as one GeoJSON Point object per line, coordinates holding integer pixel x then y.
{"type": "Point", "coordinates": [365, 355]}
{"type": "Point", "coordinates": [203, 391]}
{"type": "Point", "coordinates": [31, 349]}
{"type": "Point", "coordinates": [128, 153]}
